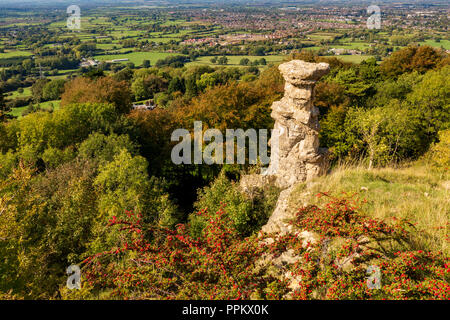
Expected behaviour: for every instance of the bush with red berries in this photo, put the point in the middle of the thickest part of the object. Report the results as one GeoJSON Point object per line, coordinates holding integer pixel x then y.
{"type": "Point", "coordinates": [350, 245]}
{"type": "Point", "coordinates": [172, 265]}
{"type": "Point", "coordinates": [220, 264]}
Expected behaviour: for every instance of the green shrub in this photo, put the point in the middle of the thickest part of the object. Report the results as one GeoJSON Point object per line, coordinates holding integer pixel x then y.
{"type": "Point", "coordinates": [439, 153]}
{"type": "Point", "coordinates": [248, 214]}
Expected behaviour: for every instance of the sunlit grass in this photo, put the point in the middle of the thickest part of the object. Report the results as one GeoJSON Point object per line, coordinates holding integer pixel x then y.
{"type": "Point", "coordinates": [418, 193]}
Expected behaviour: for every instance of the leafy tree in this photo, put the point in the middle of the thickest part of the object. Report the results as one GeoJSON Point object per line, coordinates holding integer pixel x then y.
{"type": "Point", "coordinates": [94, 73]}
{"type": "Point", "coordinates": [249, 77]}
{"type": "Point", "coordinates": [53, 89]}
{"type": "Point", "coordinates": [125, 185]}
{"type": "Point", "coordinates": [37, 90]}
{"type": "Point", "coordinates": [244, 62]}
{"type": "Point", "coordinates": [438, 153]}
{"type": "Point", "coordinates": [139, 90]}
{"type": "Point", "coordinates": [411, 58]}
{"type": "Point", "coordinates": [431, 99]}
{"type": "Point", "coordinates": [247, 214]}
{"type": "Point", "coordinates": [253, 70]}
{"type": "Point", "coordinates": [58, 62]}
{"type": "Point", "coordinates": [400, 40]}
{"type": "Point", "coordinates": [387, 133]}
{"type": "Point", "coordinates": [208, 80]}
{"type": "Point", "coordinates": [176, 84]}
{"type": "Point", "coordinates": [64, 127]}
{"type": "Point", "coordinates": [332, 135]}
{"type": "Point", "coordinates": [191, 86]}
{"type": "Point", "coordinates": [330, 94]}
{"type": "Point", "coordinates": [100, 148]}
{"type": "Point", "coordinates": [162, 99]}
{"type": "Point", "coordinates": [172, 61]}
{"type": "Point", "coordinates": [356, 87]}
{"type": "Point", "coordinates": [257, 51]}
{"type": "Point", "coordinates": [54, 157]}
{"type": "Point", "coordinates": [28, 64]}
{"type": "Point", "coordinates": [53, 218]}
{"type": "Point", "coordinates": [394, 89]}
{"type": "Point", "coordinates": [145, 88]}
{"type": "Point", "coordinates": [125, 74]}
{"type": "Point", "coordinates": [222, 60]}
{"type": "Point", "coordinates": [101, 90]}
{"type": "Point", "coordinates": [3, 107]}
{"type": "Point", "coordinates": [146, 63]}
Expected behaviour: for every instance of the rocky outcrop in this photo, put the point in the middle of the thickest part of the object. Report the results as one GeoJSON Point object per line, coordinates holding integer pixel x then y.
{"type": "Point", "coordinates": [298, 158]}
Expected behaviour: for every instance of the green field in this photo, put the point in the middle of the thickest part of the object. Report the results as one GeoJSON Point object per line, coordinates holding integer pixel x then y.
{"type": "Point", "coordinates": [136, 57]}
{"type": "Point", "coordinates": [106, 46]}
{"type": "Point", "coordinates": [17, 112]}
{"type": "Point", "coordinates": [315, 48]}
{"type": "Point", "coordinates": [14, 53]}
{"type": "Point", "coordinates": [351, 58]}
{"type": "Point", "coordinates": [352, 45]}
{"type": "Point", "coordinates": [234, 60]}
{"type": "Point", "coordinates": [174, 22]}
{"type": "Point", "coordinates": [15, 94]}
{"type": "Point", "coordinates": [432, 43]}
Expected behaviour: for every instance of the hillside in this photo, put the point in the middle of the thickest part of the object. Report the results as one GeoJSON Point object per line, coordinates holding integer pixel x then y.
{"type": "Point", "coordinates": [116, 190]}
{"type": "Point", "coordinates": [416, 192]}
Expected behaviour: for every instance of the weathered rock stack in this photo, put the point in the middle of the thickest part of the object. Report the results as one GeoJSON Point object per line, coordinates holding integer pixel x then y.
{"type": "Point", "coordinates": [296, 120]}
{"type": "Point", "coordinates": [297, 158]}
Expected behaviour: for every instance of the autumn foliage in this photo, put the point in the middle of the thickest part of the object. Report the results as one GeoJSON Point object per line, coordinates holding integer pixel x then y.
{"type": "Point", "coordinates": [99, 90]}
{"type": "Point", "coordinates": [419, 58]}
{"type": "Point", "coordinates": [173, 265]}
{"type": "Point", "coordinates": [170, 264]}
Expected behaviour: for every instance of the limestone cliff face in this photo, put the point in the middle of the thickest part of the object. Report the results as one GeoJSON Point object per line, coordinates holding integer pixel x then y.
{"type": "Point", "coordinates": [296, 121]}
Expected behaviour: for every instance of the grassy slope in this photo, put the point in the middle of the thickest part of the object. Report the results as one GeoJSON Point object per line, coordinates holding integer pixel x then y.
{"type": "Point", "coordinates": [417, 193]}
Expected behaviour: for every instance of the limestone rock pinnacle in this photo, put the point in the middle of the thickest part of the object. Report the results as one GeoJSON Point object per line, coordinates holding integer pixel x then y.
{"type": "Point", "coordinates": [296, 120]}
{"type": "Point", "coordinates": [297, 157]}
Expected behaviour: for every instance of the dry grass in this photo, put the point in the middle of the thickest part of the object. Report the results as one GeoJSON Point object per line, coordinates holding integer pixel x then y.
{"type": "Point", "coordinates": [417, 192]}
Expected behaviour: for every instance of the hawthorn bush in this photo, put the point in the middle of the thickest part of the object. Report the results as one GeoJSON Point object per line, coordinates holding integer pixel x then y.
{"type": "Point", "coordinates": [221, 264]}
{"type": "Point", "coordinates": [336, 266]}
{"type": "Point", "coordinates": [172, 265]}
